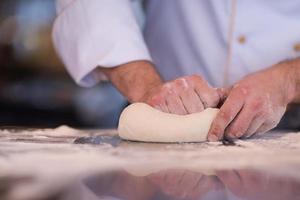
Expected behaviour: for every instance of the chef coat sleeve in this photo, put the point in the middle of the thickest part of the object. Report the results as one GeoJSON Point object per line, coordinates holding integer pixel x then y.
{"type": "Point", "coordinates": [91, 33]}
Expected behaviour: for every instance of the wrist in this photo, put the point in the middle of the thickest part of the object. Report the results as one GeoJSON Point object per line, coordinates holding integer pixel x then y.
{"type": "Point", "coordinates": [296, 76]}
{"type": "Point", "coordinates": [144, 82]}
{"type": "Point", "coordinates": [149, 92]}
{"type": "Point", "coordinates": [291, 79]}
{"type": "Point", "coordinates": [134, 80]}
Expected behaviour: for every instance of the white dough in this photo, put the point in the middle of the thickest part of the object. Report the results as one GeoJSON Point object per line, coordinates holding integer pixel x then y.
{"type": "Point", "coordinates": [141, 122]}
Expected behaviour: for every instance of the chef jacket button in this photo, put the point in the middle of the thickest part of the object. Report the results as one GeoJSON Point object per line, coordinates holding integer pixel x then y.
{"type": "Point", "coordinates": [242, 39]}
{"type": "Point", "coordinates": [297, 47]}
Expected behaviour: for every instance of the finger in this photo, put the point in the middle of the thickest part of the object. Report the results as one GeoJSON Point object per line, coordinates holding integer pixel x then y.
{"type": "Point", "coordinates": [253, 180]}
{"type": "Point", "coordinates": [173, 101]}
{"type": "Point", "coordinates": [159, 103]}
{"type": "Point", "coordinates": [208, 95]}
{"type": "Point", "coordinates": [241, 123]}
{"type": "Point", "coordinates": [204, 185]}
{"type": "Point", "coordinates": [210, 98]}
{"type": "Point", "coordinates": [190, 179]}
{"type": "Point", "coordinates": [255, 124]}
{"type": "Point", "coordinates": [273, 119]}
{"type": "Point", "coordinates": [171, 181]}
{"type": "Point", "coordinates": [266, 126]}
{"type": "Point", "coordinates": [189, 98]}
{"type": "Point", "coordinates": [162, 107]}
{"type": "Point", "coordinates": [232, 181]}
{"type": "Point", "coordinates": [175, 105]}
{"type": "Point", "coordinates": [187, 183]}
{"type": "Point", "coordinates": [227, 113]}
{"type": "Point", "coordinates": [192, 102]}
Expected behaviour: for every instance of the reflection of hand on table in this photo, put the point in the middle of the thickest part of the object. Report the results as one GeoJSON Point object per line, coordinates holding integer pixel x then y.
{"type": "Point", "coordinates": [254, 185]}
{"type": "Point", "coordinates": [122, 185]}
{"type": "Point", "coordinates": [184, 183]}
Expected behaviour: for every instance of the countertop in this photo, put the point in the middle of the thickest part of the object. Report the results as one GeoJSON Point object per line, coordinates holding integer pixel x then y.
{"type": "Point", "coordinates": [66, 163]}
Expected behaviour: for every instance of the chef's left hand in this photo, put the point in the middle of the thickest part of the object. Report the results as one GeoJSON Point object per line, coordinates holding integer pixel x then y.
{"type": "Point", "coordinates": [255, 104]}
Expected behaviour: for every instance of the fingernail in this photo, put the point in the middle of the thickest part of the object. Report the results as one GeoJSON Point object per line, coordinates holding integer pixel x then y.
{"type": "Point", "coordinates": [212, 138]}
{"type": "Point", "coordinates": [237, 135]}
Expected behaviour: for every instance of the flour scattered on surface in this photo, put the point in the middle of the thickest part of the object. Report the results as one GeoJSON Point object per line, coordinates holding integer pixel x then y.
{"type": "Point", "coordinates": [49, 154]}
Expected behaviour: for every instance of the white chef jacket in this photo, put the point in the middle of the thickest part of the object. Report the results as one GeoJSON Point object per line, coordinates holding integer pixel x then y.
{"type": "Point", "coordinates": [181, 37]}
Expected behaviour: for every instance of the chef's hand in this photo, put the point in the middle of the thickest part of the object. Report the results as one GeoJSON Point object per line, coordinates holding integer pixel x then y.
{"type": "Point", "coordinates": [255, 104]}
{"type": "Point", "coordinates": [255, 185]}
{"type": "Point", "coordinates": [184, 95]}
{"type": "Point", "coordinates": [139, 82]}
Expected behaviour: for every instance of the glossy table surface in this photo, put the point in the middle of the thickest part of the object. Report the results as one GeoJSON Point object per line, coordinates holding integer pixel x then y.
{"type": "Point", "coordinates": [65, 164]}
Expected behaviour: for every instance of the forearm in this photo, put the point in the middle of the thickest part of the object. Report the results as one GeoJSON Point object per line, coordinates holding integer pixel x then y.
{"type": "Point", "coordinates": [134, 80]}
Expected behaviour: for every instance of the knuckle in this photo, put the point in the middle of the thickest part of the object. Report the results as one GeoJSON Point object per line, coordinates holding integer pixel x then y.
{"type": "Point", "coordinates": [178, 81]}
{"type": "Point", "coordinates": [195, 78]}
{"type": "Point", "coordinates": [167, 85]}
{"type": "Point", "coordinates": [181, 84]}
{"type": "Point", "coordinates": [168, 88]}
{"type": "Point", "coordinates": [242, 89]}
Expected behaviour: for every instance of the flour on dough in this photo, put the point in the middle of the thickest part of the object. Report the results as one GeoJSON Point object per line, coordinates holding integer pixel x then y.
{"type": "Point", "coordinates": [141, 122]}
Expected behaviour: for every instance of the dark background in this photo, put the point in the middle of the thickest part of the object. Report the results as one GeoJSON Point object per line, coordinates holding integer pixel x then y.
{"type": "Point", "coordinates": [35, 89]}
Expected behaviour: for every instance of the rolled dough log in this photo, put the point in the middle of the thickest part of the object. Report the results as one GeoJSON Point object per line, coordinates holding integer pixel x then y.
{"type": "Point", "coordinates": [141, 122]}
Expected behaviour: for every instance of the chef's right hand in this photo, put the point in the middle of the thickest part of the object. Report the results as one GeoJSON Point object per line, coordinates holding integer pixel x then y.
{"type": "Point", "coordinates": [189, 94]}
{"type": "Point", "coordinates": [256, 185]}
{"type": "Point", "coordinates": [185, 184]}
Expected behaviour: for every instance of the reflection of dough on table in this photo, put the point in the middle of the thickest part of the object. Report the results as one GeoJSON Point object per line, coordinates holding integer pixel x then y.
{"type": "Point", "coordinates": [141, 122]}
